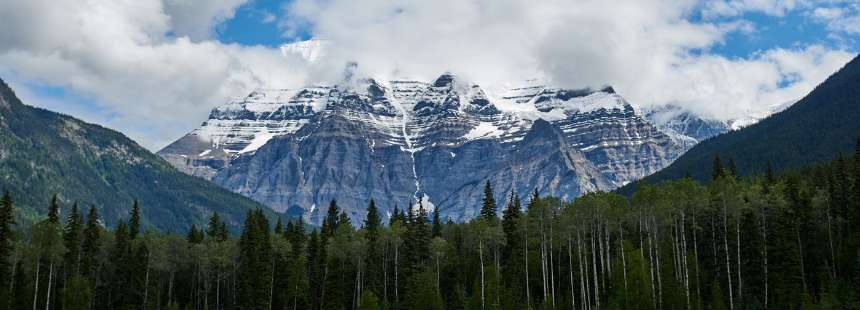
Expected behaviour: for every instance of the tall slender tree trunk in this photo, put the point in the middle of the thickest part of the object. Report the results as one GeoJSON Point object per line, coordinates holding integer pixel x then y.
{"type": "Point", "coordinates": [146, 282]}
{"type": "Point", "coordinates": [764, 250]}
{"type": "Point", "coordinates": [726, 247]}
{"type": "Point", "coordinates": [50, 279]}
{"type": "Point", "coordinates": [738, 249]}
{"type": "Point", "coordinates": [802, 268]}
{"type": "Point", "coordinates": [36, 290]}
{"type": "Point", "coordinates": [696, 261]}
{"type": "Point", "coordinates": [526, 254]}
{"type": "Point", "coordinates": [583, 291]}
{"type": "Point", "coordinates": [570, 271]}
{"type": "Point", "coordinates": [623, 261]}
{"type": "Point", "coordinates": [594, 271]}
{"type": "Point", "coordinates": [481, 254]}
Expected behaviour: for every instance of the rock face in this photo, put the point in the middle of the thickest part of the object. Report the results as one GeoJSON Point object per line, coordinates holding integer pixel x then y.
{"type": "Point", "coordinates": [438, 141]}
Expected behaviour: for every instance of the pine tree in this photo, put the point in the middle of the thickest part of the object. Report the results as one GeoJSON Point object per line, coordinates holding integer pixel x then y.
{"type": "Point", "coordinates": [72, 238]}
{"type": "Point", "coordinates": [7, 219]}
{"type": "Point", "coordinates": [134, 221]}
{"type": "Point", "coordinates": [733, 168]}
{"type": "Point", "coordinates": [92, 243]}
{"type": "Point", "coordinates": [279, 227]}
{"type": "Point", "coordinates": [372, 222]}
{"type": "Point", "coordinates": [216, 230]}
{"type": "Point", "coordinates": [54, 210]}
{"type": "Point", "coordinates": [329, 225]}
{"type": "Point", "coordinates": [194, 236]}
{"type": "Point", "coordinates": [255, 262]}
{"type": "Point", "coordinates": [437, 223]}
{"type": "Point", "coordinates": [488, 205]}
{"type": "Point", "coordinates": [510, 220]}
{"type": "Point", "coordinates": [718, 167]}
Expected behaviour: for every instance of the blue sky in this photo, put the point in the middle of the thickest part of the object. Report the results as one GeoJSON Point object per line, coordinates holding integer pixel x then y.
{"type": "Point", "coordinates": [154, 68]}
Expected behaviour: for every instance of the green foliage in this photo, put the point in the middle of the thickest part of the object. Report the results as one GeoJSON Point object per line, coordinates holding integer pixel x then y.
{"type": "Point", "coordinates": [812, 130]}
{"type": "Point", "coordinates": [779, 241]}
{"type": "Point", "coordinates": [46, 153]}
{"type": "Point", "coordinates": [77, 293]}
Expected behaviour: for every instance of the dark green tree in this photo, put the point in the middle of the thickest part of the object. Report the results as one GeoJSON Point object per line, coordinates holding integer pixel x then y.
{"type": "Point", "coordinates": [7, 219]}
{"type": "Point", "coordinates": [72, 238]}
{"type": "Point", "coordinates": [54, 210]}
{"type": "Point", "coordinates": [488, 204]}
{"type": "Point", "coordinates": [437, 223]}
{"type": "Point", "coordinates": [194, 236]}
{"type": "Point", "coordinates": [134, 221]}
{"type": "Point", "coordinates": [719, 171]}
{"type": "Point", "coordinates": [91, 245]}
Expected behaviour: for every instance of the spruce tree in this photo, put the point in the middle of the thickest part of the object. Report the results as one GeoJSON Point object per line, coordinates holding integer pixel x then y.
{"type": "Point", "coordinates": [488, 205]}
{"type": "Point", "coordinates": [92, 243]}
{"type": "Point", "coordinates": [510, 220]}
{"type": "Point", "coordinates": [329, 225]}
{"type": "Point", "coordinates": [214, 229]}
{"type": "Point", "coordinates": [72, 238]}
{"type": "Point", "coordinates": [718, 167]}
{"type": "Point", "coordinates": [54, 210]}
{"type": "Point", "coordinates": [279, 227]}
{"type": "Point", "coordinates": [372, 222]}
{"type": "Point", "coordinates": [194, 236]}
{"type": "Point", "coordinates": [7, 219]}
{"type": "Point", "coordinates": [437, 223]}
{"type": "Point", "coordinates": [134, 221]}
{"type": "Point", "coordinates": [733, 168]}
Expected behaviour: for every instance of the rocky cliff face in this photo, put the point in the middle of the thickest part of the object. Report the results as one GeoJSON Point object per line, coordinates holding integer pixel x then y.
{"type": "Point", "coordinates": [438, 141]}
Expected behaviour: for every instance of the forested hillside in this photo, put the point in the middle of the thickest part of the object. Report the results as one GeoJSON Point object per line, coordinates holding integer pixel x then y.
{"type": "Point", "coordinates": [814, 129]}
{"type": "Point", "coordinates": [43, 153]}
{"type": "Point", "coordinates": [786, 241]}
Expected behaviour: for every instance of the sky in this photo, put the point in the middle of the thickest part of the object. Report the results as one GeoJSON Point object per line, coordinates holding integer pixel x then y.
{"type": "Point", "coordinates": [153, 69]}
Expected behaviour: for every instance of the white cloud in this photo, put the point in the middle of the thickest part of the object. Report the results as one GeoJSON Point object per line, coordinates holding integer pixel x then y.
{"type": "Point", "coordinates": [120, 54]}
{"type": "Point", "coordinates": [722, 8]}
{"type": "Point", "coordinates": [649, 50]}
{"type": "Point", "coordinates": [153, 64]}
{"type": "Point", "coordinates": [196, 18]}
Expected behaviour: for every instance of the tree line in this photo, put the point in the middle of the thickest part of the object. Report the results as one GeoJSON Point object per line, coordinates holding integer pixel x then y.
{"type": "Point", "coordinates": [786, 241]}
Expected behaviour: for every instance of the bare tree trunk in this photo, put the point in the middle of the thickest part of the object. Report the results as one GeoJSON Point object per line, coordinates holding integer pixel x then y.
{"type": "Point", "coordinates": [594, 270]}
{"type": "Point", "coordinates": [657, 262]}
{"type": "Point", "coordinates": [684, 256]}
{"type": "Point", "coordinates": [570, 270]}
{"type": "Point", "coordinates": [551, 266]}
{"type": "Point", "coordinates": [396, 267]}
{"type": "Point", "coordinates": [146, 282]}
{"type": "Point", "coordinates": [526, 254]}
{"type": "Point", "coordinates": [802, 270]}
{"type": "Point", "coordinates": [50, 279]}
{"type": "Point", "coordinates": [726, 247]}
{"type": "Point", "coordinates": [696, 261]}
{"type": "Point", "coordinates": [738, 247]}
{"type": "Point", "coordinates": [586, 296]}
{"type": "Point", "coordinates": [36, 291]}
{"type": "Point", "coordinates": [623, 261]}
{"type": "Point", "coordinates": [481, 254]}
{"type": "Point", "coordinates": [764, 250]}
{"type": "Point", "coordinates": [651, 264]}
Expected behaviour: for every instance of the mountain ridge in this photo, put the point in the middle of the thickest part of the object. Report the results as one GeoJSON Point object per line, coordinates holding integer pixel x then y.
{"type": "Point", "coordinates": [44, 153]}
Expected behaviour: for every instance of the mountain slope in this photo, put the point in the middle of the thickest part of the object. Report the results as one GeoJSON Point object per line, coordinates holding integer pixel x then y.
{"type": "Point", "coordinates": [43, 153]}
{"type": "Point", "coordinates": [398, 141]}
{"type": "Point", "coordinates": [816, 128]}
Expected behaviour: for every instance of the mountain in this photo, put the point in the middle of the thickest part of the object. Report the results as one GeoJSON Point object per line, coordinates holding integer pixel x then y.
{"type": "Point", "coordinates": [397, 141]}
{"type": "Point", "coordinates": [43, 153]}
{"type": "Point", "coordinates": [816, 128]}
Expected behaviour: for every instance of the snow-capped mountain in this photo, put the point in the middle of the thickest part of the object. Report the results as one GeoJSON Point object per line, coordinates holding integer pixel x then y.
{"type": "Point", "coordinates": [440, 140]}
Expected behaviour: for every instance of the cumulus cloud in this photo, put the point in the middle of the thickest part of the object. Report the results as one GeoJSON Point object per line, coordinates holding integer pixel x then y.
{"type": "Point", "coordinates": [649, 50]}
{"type": "Point", "coordinates": [148, 62]}
{"type": "Point", "coordinates": [156, 68]}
